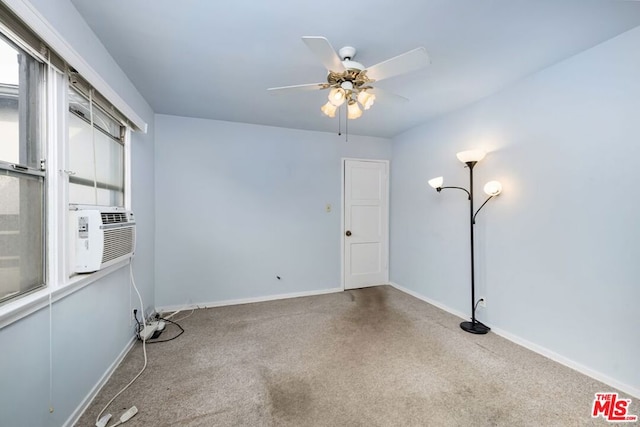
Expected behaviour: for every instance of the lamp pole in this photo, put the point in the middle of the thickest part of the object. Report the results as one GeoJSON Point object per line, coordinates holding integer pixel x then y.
{"type": "Point", "coordinates": [493, 188]}
{"type": "Point", "coordinates": [474, 326]}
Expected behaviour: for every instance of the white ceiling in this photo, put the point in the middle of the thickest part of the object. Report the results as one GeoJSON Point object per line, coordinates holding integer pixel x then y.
{"type": "Point", "coordinates": [215, 59]}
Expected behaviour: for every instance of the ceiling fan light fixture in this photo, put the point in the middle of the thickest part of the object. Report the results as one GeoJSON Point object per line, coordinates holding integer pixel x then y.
{"type": "Point", "coordinates": [366, 99]}
{"type": "Point", "coordinates": [329, 109]}
{"type": "Point", "coordinates": [337, 96]}
{"type": "Point", "coordinates": [353, 111]}
{"type": "Point", "coordinates": [348, 81]}
{"type": "Point", "coordinates": [347, 85]}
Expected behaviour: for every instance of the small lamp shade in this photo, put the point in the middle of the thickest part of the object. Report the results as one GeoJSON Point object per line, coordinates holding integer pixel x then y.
{"type": "Point", "coordinates": [366, 99]}
{"type": "Point", "coordinates": [471, 156]}
{"type": "Point", "coordinates": [436, 182]}
{"type": "Point", "coordinates": [353, 111]}
{"type": "Point", "coordinates": [493, 188]}
{"type": "Point", "coordinates": [329, 109]}
{"type": "Point", "coordinates": [336, 96]}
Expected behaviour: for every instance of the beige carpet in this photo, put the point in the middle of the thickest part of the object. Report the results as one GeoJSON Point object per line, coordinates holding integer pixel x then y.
{"type": "Point", "coordinates": [369, 357]}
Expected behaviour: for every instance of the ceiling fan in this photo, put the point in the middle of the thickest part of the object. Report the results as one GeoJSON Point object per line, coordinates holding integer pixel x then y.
{"type": "Point", "coordinates": [351, 82]}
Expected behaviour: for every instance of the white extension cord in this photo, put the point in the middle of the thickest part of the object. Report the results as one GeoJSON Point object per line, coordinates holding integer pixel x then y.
{"type": "Point", "coordinates": [102, 422]}
{"type": "Point", "coordinates": [126, 416]}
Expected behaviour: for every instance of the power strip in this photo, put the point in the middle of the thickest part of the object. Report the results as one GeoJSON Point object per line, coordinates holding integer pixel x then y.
{"type": "Point", "coordinates": [151, 328]}
{"type": "Point", "coordinates": [148, 331]}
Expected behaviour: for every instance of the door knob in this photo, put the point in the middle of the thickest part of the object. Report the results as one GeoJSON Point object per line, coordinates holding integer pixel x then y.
{"type": "Point", "coordinates": [348, 233]}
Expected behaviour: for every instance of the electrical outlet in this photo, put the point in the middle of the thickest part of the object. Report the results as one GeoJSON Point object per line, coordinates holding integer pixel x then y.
{"type": "Point", "coordinates": [483, 302]}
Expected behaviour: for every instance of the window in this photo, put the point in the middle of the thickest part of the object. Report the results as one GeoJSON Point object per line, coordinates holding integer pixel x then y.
{"type": "Point", "coordinates": [95, 153]}
{"type": "Point", "coordinates": [22, 180]}
{"type": "Point", "coordinates": [50, 115]}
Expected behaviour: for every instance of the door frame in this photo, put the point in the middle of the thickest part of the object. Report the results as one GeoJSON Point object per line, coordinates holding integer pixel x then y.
{"type": "Point", "coordinates": [343, 162]}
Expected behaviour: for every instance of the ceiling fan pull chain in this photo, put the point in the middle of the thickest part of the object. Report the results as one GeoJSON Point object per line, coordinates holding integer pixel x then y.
{"type": "Point", "coordinates": [346, 125]}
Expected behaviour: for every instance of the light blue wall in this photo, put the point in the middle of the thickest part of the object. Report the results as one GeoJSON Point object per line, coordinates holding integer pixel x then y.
{"type": "Point", "coordinates": [238, 205]}
{"type": "Point", "coordinates": [24, 372]}
{"type": "Point", "coordinates": [241, 204]}
{"type": "Point", "coordinates": [91, 327]}
{"type": "Point", "coordinates": [557, 252]}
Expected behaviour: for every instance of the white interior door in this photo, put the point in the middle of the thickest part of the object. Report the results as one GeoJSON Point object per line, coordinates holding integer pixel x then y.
{"type": "Point", "coordinates": [366, 223]}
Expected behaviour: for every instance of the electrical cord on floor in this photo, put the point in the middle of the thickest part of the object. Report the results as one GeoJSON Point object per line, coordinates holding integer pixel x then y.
{"type": "Point", "coordinates": [126, 416]}
{"type": "Point", "coordinates": [169, 316]}
{"type": "Point", "coordinates": [168, 339]}
{"type": "Point", "coordinates": [184, 317]}
{"type": "Point", "coordinates": [477, 302]}
{"type": "Point", "coordinates": [173, 314]}
{"type": "Point", "coordinates": [144, 348]}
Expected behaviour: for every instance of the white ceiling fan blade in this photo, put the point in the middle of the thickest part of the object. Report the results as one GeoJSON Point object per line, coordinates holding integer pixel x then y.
{"type": "Point", "coordinates": [385, 96]}
{"type": "Point", "coordinates": [298, 88]}
{"type": "Point", "coordinates": [321, 47]}
{"type": "Point", "coordinates": [404, 63]}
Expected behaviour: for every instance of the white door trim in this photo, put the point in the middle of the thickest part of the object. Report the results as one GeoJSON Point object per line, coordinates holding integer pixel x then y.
{"type": "Point", "coordinates": [342, 230]}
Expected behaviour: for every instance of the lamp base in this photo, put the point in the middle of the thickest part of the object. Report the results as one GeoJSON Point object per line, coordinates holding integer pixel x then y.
{"type": "Point", "coordinates": [475, 328]}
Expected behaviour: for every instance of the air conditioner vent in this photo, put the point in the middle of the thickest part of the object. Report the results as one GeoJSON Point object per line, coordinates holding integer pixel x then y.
{"type": "Point", "coordinates": [113, 217]}
{"type": "Point", "coordinates": [118, 242]}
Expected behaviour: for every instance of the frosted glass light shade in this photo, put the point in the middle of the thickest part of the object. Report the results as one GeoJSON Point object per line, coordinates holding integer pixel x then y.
{"type": "Point", "coordinates": [471, 156]}
{"type": "Point", "coordinates": [436, 182]}
{"type": "Point", "coordinates": [493, 188]}
{"type": "Point", "coordinates": [336, 96]}
{"type": "Point", "coordinates": [346, 85]}
{"type": "Point", "coordinates": [329, 109]}
{"type": "Point", "coordinates": [366, 99]}
{"type": "Point", "coordinates": [353, 111]}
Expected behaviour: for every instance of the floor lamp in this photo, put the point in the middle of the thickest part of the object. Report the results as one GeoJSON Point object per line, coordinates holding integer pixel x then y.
{"type": "Point", "coordinates": [492, 188]}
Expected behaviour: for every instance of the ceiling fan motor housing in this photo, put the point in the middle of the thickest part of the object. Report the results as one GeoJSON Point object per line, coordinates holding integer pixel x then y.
{"type": "Point", "coordinates": [347, 52]}
{"type": "Point", "coordinates": [353, 79]}
{"type": "Point", "coordinates": [350, 79]}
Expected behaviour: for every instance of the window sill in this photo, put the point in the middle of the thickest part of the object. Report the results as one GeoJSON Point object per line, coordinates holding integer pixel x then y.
{"type": "Point", "coordinates": [24, 306]}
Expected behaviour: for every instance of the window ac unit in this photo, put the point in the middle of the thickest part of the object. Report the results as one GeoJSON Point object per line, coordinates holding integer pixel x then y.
{"type": "Point", "coordinates": [102, 238]}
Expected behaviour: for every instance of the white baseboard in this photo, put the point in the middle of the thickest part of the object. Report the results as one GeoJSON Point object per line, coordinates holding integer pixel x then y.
{"type": "Point", "coordinates": [441, 306]}
{"type": "Point", "coordinates": [190, 306]}
{"type": "Point", "coordinates": [632, 391]}
{"type": "Point", "coordinates": [75, 416]}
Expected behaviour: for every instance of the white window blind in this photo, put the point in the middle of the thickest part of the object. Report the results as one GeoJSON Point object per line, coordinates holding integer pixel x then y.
{"type": "Point", "coordinates": [95, 154]}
